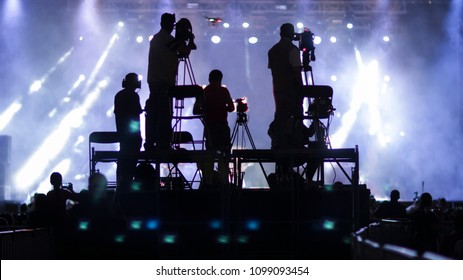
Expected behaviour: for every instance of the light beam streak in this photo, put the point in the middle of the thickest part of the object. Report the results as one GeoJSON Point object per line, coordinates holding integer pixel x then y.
{"type": "Point", "coordinates": [36, 85]}
{"type": "Point", "coordinates": [9, 113]}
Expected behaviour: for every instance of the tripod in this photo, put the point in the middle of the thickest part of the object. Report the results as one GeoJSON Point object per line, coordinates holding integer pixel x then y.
{"type": "Point", "coordinates": [179, 93]}
{"type": "Point", "coordinates": [242, 124]}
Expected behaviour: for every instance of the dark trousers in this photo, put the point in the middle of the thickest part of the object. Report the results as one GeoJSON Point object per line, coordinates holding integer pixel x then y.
{"type": "Point", "coordinates": [126, 167]}
{"type": "Point", "coordinates": [158, 126]}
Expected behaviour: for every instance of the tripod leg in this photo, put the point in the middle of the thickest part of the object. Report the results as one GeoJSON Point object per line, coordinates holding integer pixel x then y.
{"type": "Point", "coordinates": [234, 133]}
{"type": "Point", "coordinates": [248, 132]}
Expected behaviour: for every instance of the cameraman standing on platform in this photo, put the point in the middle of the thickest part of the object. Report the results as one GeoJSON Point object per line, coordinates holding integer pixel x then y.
{"type": "Point", "coordinates": [162, 72]}
{"type": "Point", "coordinates": [217, 104]}
{"type": "Point", "coordinates": [164, 54]}
{"type": "Point", "coordinates": [285, 64]}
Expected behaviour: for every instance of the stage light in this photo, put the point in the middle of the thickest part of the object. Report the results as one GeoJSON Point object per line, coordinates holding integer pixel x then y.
{"type": "Point", "coordinates": [317, 40]}
{"type": "Point", "coordinates": [223, 239]}
{"type": "Point", "coordinates": [387, 78]}
{"type": "Point", "coordinates": [81, 38]}
{"type": "Point", "coordinates": [245, 25]}
{"type": "Point", "coordinates": [300, 25]}
{"type": "Point", "coordinates": [120, 24]}
{"type": "Point", "coordinates": [243, 239]}
{"type": "Point", "coordinates": [215, 224]}
{"type": "Point", "coordinates": [135, 186]}
{"type": "Point", "coordinates": [253, 225]}
{"type": "Point", "coordinates": [334, 78]}
{"type": "Point", "coordinates": [386, 38]}
{"type": "Point", "coordinates": [139, 39]}
{"type": "Point", "coordinates": [84, 225]}
{"type": "Point", "coordinates": [329, 225]}
{"type": "Point", "coordinates": [169, 239]}
{"type": "Point", "coordinates": [9, 113]}
{"type": "Point", "coordinates": [152, 224]}
{"type": "Point", "coordinates": [226, 25]}
{"type": "Point", "coordinates": [350, 25]}
{"type": "Point", "coordinates": [119, 238]}
{"type": "Point", "coordinates": [36, 86]}
{"type": "Point", "coordinates": [55, 142]}
{"type": "Point", "coordinates": [252, 40]}
{"type": "Point", "coordinates": [215, 39]}
{"type": "Point", "coordinates": [136, 224]}
{"type": "Point", "coordinates": [333, 39]}
{"type": "Point", "coordinates": [192, 5]}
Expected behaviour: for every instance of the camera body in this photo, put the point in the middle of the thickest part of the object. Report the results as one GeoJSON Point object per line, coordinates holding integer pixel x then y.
{"type": "Point", "coordinates": [184, 32]}
{"type": "Point", "coordinates": [305, 40]}
{"type": "Point", "coordinates": [241, 105]}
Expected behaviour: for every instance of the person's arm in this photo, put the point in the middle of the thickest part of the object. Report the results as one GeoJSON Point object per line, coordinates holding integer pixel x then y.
{"type": "Point", "coordinates": [71, 194]}
{"type": "Point", "coordinates": [295, 62]}
{"type": "Point", "coordinates": [230, 104]}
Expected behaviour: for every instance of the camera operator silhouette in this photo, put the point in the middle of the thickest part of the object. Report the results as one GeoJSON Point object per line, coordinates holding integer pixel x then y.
{"type": "Point", "coordinates": [162, 71]}
{"type": "Point", "coordinates": [287, 129]}
{"type": "Point", "coordinates": [217, 104]}
{"type": "Point", "coordinates": [127, 110]}
{"type": "Point", "coordinates": [163, 60]}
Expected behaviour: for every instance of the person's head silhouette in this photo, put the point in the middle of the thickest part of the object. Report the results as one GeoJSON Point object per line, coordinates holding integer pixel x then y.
{"type": "Point", "coordinates": [56, 180]}
{"type": "Point", "coordinates": [287, 30]}
{"type": "Point", "coordinates": [168, 21]}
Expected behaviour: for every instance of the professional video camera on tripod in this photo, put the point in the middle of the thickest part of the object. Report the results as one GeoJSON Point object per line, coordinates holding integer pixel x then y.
{"type": "Point", "coordinates": [183, 44]}
{"type": "Point", "coordinates": [319, 97]}
{"type": "Point", "coordinates": [319, 101]}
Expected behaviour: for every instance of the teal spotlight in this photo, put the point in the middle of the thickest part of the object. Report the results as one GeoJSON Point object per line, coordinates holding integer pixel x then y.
{"type": "Point", "coordinates": [223, 239]}
{"type": "Point", "coordinates": [135, 186]}
{"type": "Point", "coordinates": [136, 224]}
{"type": "Point", "coordinates": [84, 225]}
{"type": "Point", "coordinates": [328, 225]}
{"type": "Point", "coordinates": [169, 238]}
{"type": "Point", "coordinates": [243, 239]}
{"type": "Point", "coordinates": [119, 238]}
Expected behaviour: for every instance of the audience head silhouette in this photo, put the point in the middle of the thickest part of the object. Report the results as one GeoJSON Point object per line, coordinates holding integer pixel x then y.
{"type": "Point", "coordinates": [395, 195]}
{"type": "Point", "coordinates": [56, 180]}
{"type": "Point", "coordinates": [425, 200]}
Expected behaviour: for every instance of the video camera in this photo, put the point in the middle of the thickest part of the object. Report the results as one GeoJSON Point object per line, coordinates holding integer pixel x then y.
{"type": "Point", "coordinates": [306, 45]}
{"type": "Point", "coordinates": [184, 32]}
{"type": "Point", "coordinates": [241, 105]}
{"type": "Point", "coordinates": [305, 40]}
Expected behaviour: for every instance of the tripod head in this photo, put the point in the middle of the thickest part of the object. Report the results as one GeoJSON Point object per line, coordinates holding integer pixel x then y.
{"type": "Point", "coordinates": [241, 118]}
